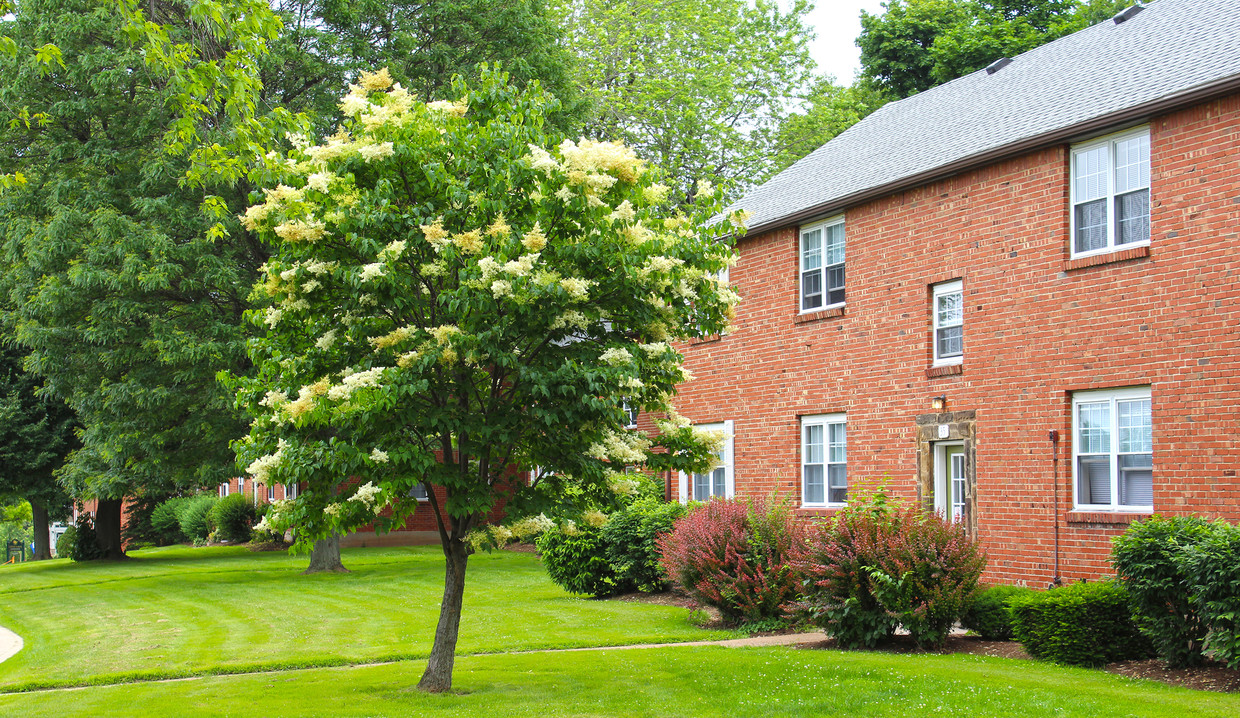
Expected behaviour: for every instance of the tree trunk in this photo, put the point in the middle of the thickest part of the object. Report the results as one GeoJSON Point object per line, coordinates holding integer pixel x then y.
{"type": "Point", "coordinates": [42, 533]}
{"type": "Point", "coordinates": [325, 557]}
{"type": "Point", "coordinates": [438, 675]}
{"type": "Point", "coordinates": [108, 528]}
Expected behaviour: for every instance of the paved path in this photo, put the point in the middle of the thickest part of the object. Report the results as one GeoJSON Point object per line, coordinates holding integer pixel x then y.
{"type": "Point", "coordinates": [10, 644]}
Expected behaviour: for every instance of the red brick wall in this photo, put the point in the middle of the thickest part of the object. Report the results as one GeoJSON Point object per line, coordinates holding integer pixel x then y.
{"type": "Point", "coordinates": [1037, 327]}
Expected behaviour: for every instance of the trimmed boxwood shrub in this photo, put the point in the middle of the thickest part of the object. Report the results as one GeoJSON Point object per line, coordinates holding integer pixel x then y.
{"type": "Point", "coordinates": [989, 614]}
{"type": "Point", "coordinates": [877, 566]}
{"type": "Point", "coordinates": [631, 537]}
{"type": "Point", "coordinates": [735, 555]}
{"type": "Point", "coordinates": [85, 545]}
{"type": "Point", "coordinates": [233, 518]}
{"type": "Point", "coordinates": [1085, 624]}
{"type": "Point", "coordinates": [576, 559]}
{"type": "Point", "coordinates": [1149, 560]}
{"type": "Point", "coordinates": [195, 517]}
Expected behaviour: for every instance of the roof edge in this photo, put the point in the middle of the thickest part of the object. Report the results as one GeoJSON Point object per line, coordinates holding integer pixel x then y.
{"type": "Point", "coordinates": [1191, 96]}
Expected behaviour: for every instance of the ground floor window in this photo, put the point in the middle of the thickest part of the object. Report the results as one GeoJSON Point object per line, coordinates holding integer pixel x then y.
{"type": "Point", "coordinates": [719, 481]}
{"type": "Point", "coordinates": [824, 460]}
{"type": "Point", "coordinates": [1113, 449]}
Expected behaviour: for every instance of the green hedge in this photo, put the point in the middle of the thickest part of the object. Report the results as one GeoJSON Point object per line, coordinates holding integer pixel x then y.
{"type": "Point", "coordinates": [577, 561]}
{"type": "Point", "coordinates": [233, 518]}
{"type": "Point", "coordinates": [1085, 624]}
{"type": "Point", "coordinates": [989, 614]}
{"type": "Point", "coordinates": [630, 538]}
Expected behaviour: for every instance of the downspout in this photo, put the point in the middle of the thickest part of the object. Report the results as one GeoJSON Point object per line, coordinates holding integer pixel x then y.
{"type": "Point", "coordinates": [1054, 437]}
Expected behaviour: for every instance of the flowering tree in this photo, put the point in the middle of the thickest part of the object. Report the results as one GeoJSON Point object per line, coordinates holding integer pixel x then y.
{"type": "Point", "coordinates": [451, 301]}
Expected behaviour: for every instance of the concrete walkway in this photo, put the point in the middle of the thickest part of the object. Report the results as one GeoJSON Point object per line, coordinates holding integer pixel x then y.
{"type": "Point", "coordinates": [10, 644]}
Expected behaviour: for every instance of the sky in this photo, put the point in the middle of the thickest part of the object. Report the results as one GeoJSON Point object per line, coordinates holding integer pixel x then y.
{"type": "Point", "coordinates": [836, 24]}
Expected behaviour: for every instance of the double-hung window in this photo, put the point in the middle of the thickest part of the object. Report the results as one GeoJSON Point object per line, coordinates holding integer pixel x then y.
{"type": "Point", "coordinates": [271, 492]}
{"type": "Point", "coordinates": [1111, 193]}
{"type": "Point", "coordinates": [630, 414]}
{"type": "Point", "coordinates": [290, 491]}
{"type": "Point", "coordinates": [948, 323]}
{"type": "Point", "coordinates": [718, 481]}
{"type": "Point", "coordinates": [822, 265]}
{"type": "Point", "coordinates": [1113, 450]}
{"type": "Point", "coordinates": [824, 460]}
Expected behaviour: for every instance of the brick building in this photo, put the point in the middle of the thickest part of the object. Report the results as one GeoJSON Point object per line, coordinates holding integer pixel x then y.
{"type": "Point", "coordinates": [1047, 247]}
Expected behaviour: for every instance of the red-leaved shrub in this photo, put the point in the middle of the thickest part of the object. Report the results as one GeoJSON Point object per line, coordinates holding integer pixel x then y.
{"type": "Point", "coordinates": [876, 566]}
{"type": "Point", "coordinates": [734, 555]}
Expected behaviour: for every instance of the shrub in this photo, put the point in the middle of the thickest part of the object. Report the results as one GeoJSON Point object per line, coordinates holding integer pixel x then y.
{"type": "Point", "coordinates": [878, 566]}
{"type": "Point", "coordinates": [631, 536]}
{"type": "Point", "coordinates": [989, 614]}
{"type": "Point", "coordinates": [1085, 624]}
{"type": "Point", "coordinates": [1148, 559]}
{"type": "Point", "coordinates": [576, 559]}
{"type": "Point", "coordinates": [1212, 567]}
{"type": "Point", "coordinates": [233, 518]}
{"type": "Point", "coordinates": [85, 542]}
{"type": "Point", "coordinates": [166, 521]}
{"type": "Point", "coordinates": [195, 517]}
{"type": "Point", "coordinates": [735, 555]}
{"type": "Point", "coordinates": [66, 543]}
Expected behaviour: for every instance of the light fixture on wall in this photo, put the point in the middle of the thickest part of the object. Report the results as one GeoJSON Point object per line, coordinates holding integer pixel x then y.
{"type": "Point", "coordinates": [938, 403]}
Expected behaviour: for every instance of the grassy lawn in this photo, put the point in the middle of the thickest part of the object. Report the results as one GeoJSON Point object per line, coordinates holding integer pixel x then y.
{"type": "Point", "coordinates": [655, 682]}
{"type": "Point", "coordinates": [211, 613]}
{"type": "Point", "coordinates": [180, 611]}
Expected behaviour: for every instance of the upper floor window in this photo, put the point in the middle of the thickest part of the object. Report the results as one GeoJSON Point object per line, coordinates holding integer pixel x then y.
{"type": "Point", "coordinates": [1113, 449]}
{"type": "Point", "coordinates": [822, 265]}
{"type": "Point", "coordinates": [948, 321]}
{"type": "Point", "coordinates": [1111, 192]}
{"type": "Point", "coordinates": [630, 415]}
{"type": "Point", "coordinates": [824, 460]}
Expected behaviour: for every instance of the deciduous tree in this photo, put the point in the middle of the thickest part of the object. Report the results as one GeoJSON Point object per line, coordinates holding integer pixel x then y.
{"type": "Point", "coordinates": [456, 295]}
{"type": "Point", "coordinates": [696, 87]}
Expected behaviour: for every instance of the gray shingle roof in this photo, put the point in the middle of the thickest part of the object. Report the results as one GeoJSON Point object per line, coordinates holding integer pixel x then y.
{"type": "Point", "coordinates": [1174, 51]}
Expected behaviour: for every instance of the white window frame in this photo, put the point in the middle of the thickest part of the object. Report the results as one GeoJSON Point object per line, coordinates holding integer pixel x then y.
{"type": "Point", "coordinates": [955, 286]}
{"type": "Point", "coordinates": [822, 227]}
{"type": "Point", "coordinates": [630, 414]}
{"type": "Point", "coordinates": [1112, 397]}
{"type": "Point", "coordinates": [419, 499]}
{"type": "Point", "coordinates": [825, 421]}
{"type": "Point", "coordinates": [224, 488]}
{"type": "Point", "coordinates": [290, 491]}
{"type": "Point", "coordinates": [271, 492]}
{"type": "Point", "coordinates": [685, 482]}
{"type": "Point", "coordinates": [1108, 142]}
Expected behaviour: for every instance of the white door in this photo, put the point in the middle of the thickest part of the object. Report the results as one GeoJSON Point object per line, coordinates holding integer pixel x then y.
{"type": "Point", "coordinates": [949, 481]}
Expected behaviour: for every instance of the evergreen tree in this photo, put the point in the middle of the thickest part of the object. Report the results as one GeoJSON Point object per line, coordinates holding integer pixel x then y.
{"type": "Point", "coordinates": [36, 433]}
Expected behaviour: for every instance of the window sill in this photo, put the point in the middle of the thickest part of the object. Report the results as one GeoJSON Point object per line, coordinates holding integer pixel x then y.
{"type": "Point", "coordinates": [812, 511]}
{"type": "Point", "coordinates": [818, 315]}
{"type": "Point", "coordinates": [705, 340]}
{"type": "Point", "coordinates": [1106, 517]}
{"type": "Point", "coordinates": [935, 372]}
{"type": "Point", "coordinates": [1121, 255]}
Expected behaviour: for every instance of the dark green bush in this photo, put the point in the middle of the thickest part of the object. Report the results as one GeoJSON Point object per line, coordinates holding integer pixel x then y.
{"type": "Point", "coordinates": [1148, 558]}
{"type": "Point", "coordinates": [66, 543]}
{"type": "Point", "coordinates": [1212, 566]}
{"type": "Point", "coordinates": [234, 517]}
{"type": "Point", "coordinates": [989, 614]}
{"type": "Point", "coordinates": [577, 561]}
{"type": "Point", "coordinates": [85, 542]}
{"type": "Point", "coordinates": [630, 538]}
{"type": "Point", "coordinates": [166, 521]}
{"type": "Point", "coordinates": [195, 517]}
{"type": "Point", "coordinates": [1085, 624]}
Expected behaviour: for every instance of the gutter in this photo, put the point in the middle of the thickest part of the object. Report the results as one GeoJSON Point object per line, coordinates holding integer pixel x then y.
{"type": "Point", "coordinates": [1191, 96]}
